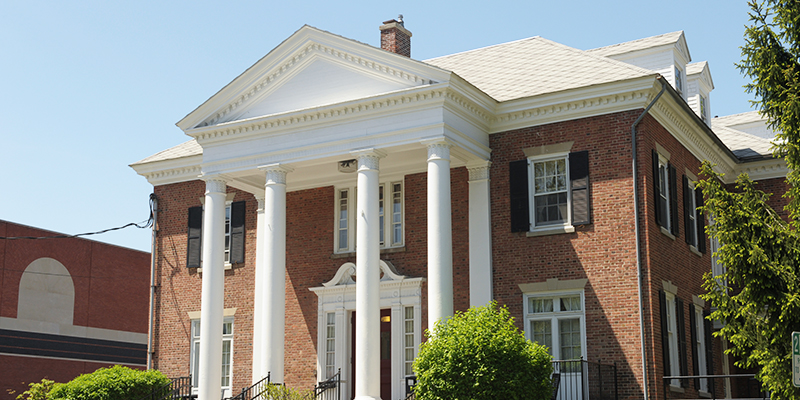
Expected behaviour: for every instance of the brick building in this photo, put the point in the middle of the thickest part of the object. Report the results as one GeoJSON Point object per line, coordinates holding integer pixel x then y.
{"type": "Point", "coordinates": [501, 173]}
{"type": "Point", "coordinates": [68, 306]}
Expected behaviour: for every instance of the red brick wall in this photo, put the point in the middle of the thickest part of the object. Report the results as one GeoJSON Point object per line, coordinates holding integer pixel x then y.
{"type": "Point", "coordinates": [603, 252]}
{"type": "Point", "coordinates": [309, 263]}
{"type": "Point", "coordinates": [111, 286]}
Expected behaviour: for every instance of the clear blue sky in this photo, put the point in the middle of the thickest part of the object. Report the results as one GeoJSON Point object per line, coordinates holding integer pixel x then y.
{"type": "Point", "coordinates": [89, 87]}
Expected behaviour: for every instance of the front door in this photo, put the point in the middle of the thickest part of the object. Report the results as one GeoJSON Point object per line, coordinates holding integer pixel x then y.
{"type": "Point", "coordinates": [385, 349]}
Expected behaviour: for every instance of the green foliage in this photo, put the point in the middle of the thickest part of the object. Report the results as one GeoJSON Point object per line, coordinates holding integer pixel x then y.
{"type": "Point", "coordinates": [480, 355]}
{"type": "Point", "coordinates": [281, 392]}
{"type": "Point", "coordinates": [38, 390]}
{"type": "Point", "coordinates": [114, 383]}
{"type": "Point", "coordinates": [758, 297]}
{"type": "Point", "coordinates": [770, 58]}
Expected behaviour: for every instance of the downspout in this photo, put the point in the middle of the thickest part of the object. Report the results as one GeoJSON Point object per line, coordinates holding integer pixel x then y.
{"type": "Point", "coordinates": [150, 323]}
{"type": "Point", "coordinates": [637, 230]}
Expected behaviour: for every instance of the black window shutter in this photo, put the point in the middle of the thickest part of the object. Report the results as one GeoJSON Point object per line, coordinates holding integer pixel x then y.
{"type": "Point", "coordinates": [237, 232]}
{"type": "Point", "coordinates": [682, 350]}
{"type": "Point", "coordinates": [664, 333]}
{"type": "Point", "coordinates": [687, 209]}
{"type": "Point", "coordinates": [701, 221]}
{"type": "Point", "coordinates": [657, 190]}
{"type": "Point", "coordinates": [695, 361]}
{"type": "Point", "coordinates": [673, 199]}
{"type": "Point", "coordinates": [579, 182]}
{"type": "Point", "coordinates": [194, 237]}
{"type": "Point", "coordinates": [709, 348]}
{"type": "Point", "coordinates": [518, 183]}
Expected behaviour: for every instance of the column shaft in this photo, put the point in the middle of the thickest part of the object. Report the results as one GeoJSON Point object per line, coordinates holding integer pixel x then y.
{"type": "Point", "coordinates": [480, 236]}
{"type": "Point", "coordinates": [440, 234]}
{"type": "Point", "coordinates": [212, 298]}
{"type": "Point", "coordinates": [368, 375]}
{"type": "Point", "coordinates": [258, 294]}
{"type": "Point", "coordinates": [274, 262]}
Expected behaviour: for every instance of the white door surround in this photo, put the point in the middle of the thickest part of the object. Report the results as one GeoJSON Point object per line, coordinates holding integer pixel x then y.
{"type": "Point", "coordinates": [338, 296]}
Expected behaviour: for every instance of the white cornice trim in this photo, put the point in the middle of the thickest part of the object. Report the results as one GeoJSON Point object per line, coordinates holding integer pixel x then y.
{"type": "Point", "coordinates": [171, 171]}
{"type": "Point", "coordinates": [671, 116]}
{"type": "Point", "coordinates": [573, 104]}
{"type": "Point", "coordinates": [759, 170]}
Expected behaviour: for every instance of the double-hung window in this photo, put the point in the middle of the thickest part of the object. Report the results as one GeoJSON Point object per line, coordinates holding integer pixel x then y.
{"type": "Point", "coordinates": [234, 234]}
{"type": "Point", "coordinates": [666, 194]}
{"type": "Point", "coordinates": [699, 346]}
{"type": "Point", "coordinates": [692, 218]}
{"type": "Point", "coordinates": [550, 193]}
{"type": "Point", "coordinates": [390, 215]}
{"type": "Point", "coordinates": [557, 322]}
{"type": "Point", "coordinates": [227, 353]}
{"type": "Point", "coordinates": [678, 80]}
{"type": "Point", "coordinates": [673, 337]}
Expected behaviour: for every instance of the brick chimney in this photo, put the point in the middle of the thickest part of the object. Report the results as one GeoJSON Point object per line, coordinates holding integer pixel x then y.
{"type": "Point", "coordinates": [395, 37]}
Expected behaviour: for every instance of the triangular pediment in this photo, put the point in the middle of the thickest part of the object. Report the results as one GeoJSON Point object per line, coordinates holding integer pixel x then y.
{"type": "Point", "coordinates": [312, 68]}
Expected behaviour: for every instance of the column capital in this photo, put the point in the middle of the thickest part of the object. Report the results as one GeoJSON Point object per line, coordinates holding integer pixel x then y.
{"type": "Point", "coordinates": [478, 170]}
{"type": "Point", "coordinates": [438, 148]}
{"type": "Point", "coordinates": [215, 183]}
{"type": "Point", "coordinates": [368, 159]}
{"type": "Point", "coordinates": [276, 173]}
{"type": "Point", "coordinates": [260, 198]}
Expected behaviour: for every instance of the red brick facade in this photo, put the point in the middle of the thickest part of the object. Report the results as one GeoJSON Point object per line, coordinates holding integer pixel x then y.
{"type": "Point", "coordinates": [603, 252]}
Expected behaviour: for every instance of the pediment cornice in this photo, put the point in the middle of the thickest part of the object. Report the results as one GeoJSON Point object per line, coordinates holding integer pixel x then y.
{"type": "Point", "coordinates": [279, 73]}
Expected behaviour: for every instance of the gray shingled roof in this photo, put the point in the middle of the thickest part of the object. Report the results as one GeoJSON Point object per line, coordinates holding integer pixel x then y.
{"type": "Point", "coordinates": [695, 68]}
{"type": "Point", "coordinates": [186, 149]}
{"type": "Point", "coordinates": [743, 145]}
{"type": "Point", "coordinates": [639, 44]}
{"type": "Point", "coordinates": [534, 66]}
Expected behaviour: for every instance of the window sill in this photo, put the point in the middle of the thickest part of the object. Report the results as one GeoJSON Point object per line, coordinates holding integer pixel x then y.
{"type": "Point", "coordinates": [695, 251]}
{"type": "Point", "coordinates": [704, 394]}
{"type": "Point", "coordinates": [676, 389]}
{"type": "Point", "coordinates": [228, 266]}
{"type": "Point", "coordinates": [387, 250]}
{"type": "Point", "coordinates": [551, 231]}
{"type": "Point", "coordinates": [667, 233]}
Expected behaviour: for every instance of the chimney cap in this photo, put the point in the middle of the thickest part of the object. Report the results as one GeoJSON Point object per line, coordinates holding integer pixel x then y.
{"type": "Point", "coordinates": [398, 20]}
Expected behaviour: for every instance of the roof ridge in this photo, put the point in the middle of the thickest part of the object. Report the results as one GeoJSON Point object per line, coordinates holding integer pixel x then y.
{"type": "Point", "coordinates": [483, 48]}
{"type": "Point", "coordinates": [679, 32]}
{"type": "Point", "coordinates": [600, 58]}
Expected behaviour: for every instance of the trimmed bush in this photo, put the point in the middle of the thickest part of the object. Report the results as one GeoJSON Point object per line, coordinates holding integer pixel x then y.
{"type": "Point", "coordinates": [115, 383]}
{"type": "Point", "coordinates": [480, 355]}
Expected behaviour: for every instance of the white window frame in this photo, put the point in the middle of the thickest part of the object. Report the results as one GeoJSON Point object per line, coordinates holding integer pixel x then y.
{"type": "Point", "coordinates": [554, 317]}
{"type": "Point", "coordinates": [227, 337]}
{"type": "Point", "coordinates": [703, 108]}
{"type": "Point", "coordinates": [700, 344]}
{"type": "Point", "coordinates": [388, 221]}
{"type": "Point", "coordinates": [672, 334]}
{"type": "Point", "coordinates": [679, 80]}
{"type": "Point", "coordinates": [227, 247]}
{"type": "Point", "coordinates": [535, 225]}
{"type": "Point", "coordinates": [663, 192]}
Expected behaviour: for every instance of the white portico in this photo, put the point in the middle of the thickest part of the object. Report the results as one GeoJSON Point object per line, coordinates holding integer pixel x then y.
{"type": "Point", "coordinates": [285, 124]}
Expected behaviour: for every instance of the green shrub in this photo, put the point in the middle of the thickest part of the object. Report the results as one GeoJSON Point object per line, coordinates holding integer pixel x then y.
{"type": "Point", "coordinates": [115, 383]}
{"type": "Point", "coordinates": [37, 390]}
{"type": "Point", "coordinates": [480, 355]}
{"type": "Point", "coordinates": [281, 392]}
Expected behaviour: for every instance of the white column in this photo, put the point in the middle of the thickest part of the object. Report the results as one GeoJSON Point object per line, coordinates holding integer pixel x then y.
{"type": "Point", "coordinates": [258, 294]}
{"type": "Point", "coordinates": [480, 235]}
{"type": "Point", "coordinates": [212, 299]}
{"type": "Point", "coordinates": [274, 276]}
{"type": "Point", "coordinates": [440, 233]}
{"type": "Point", "coordinates": [368, 276]}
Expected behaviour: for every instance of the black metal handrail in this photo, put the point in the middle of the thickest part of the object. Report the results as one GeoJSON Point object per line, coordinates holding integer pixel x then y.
{"type": "Point", "coordinates": [580, 379]}
{"type": "Point", "coordinates": [177, 389]}
{"type": "Point", "coordinates": [258, 390]}
{"type": "Point", "coordinates": [411, 383]}
{"type": "Point", "coordinates": [330, 389]}
{"type": "Point", "coordinates": [750, 389]}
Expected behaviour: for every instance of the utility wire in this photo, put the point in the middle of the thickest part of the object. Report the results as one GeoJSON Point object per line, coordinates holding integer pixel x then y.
{"type": "Point", "coordinates": [141, 225]}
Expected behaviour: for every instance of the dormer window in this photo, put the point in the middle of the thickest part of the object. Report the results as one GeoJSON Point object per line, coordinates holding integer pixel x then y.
{"type": "Point", "coordinates": [679, 80]}
{"type": "Point", "coordinates": [703, 109]}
